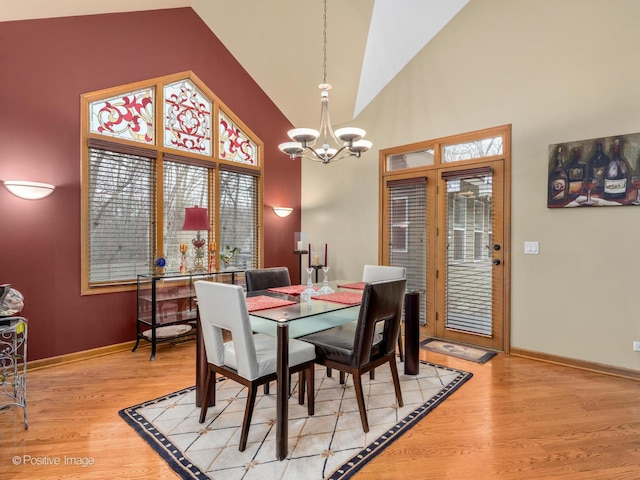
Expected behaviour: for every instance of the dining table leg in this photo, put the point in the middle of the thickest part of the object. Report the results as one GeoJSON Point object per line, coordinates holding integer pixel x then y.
{"type": "Point", "coordinates": [282, 396]}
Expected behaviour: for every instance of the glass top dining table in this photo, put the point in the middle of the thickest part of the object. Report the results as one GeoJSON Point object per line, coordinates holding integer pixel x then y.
{"type": "Point", "coordinates": [301, 316]}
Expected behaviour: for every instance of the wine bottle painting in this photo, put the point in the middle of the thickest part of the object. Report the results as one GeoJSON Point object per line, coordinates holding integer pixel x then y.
{"type": "Point", "coordinates": [600, 172]}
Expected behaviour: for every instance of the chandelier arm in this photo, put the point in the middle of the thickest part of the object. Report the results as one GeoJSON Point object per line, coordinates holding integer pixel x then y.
{"type": "Point", "coordinates": [329, 158]}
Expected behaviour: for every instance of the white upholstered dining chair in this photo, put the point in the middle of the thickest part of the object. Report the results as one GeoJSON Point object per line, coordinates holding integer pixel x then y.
{"type": "Point", "coordinates": [249, 359]}
{"type": "Point", "coordinates": [377, 273]}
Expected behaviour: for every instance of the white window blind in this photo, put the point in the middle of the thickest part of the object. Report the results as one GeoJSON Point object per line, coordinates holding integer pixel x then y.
{"type": "Point", "coordinates": [185, 185]}
{"type": "Point", "coordinates": [469, 296]}
{"type": "Point", "coordinates": [407, 233]}
{"type": "Point", "coordinates": [239, 203]}
{"type": "Point", "coordinates": [121, 209]}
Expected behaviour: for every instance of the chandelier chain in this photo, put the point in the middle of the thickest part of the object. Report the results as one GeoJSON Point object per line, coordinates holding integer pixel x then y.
{"type": "Point", "coordinates": [324, 78]}
{"type": "Point", "coordinates": [346, 141]}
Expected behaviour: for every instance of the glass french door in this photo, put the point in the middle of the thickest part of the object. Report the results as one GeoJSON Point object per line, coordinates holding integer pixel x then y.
{"type": "Point", "coordinates": [445, 217]}
{"type": "Point", "coordinates": [470, 255]}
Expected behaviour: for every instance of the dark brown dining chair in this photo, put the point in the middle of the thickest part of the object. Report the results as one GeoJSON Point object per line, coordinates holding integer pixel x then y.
{"type": "Point", "coordinates": [373, 343]}
{"type": "Point", "coordinates": [264, 278]}
{"type": "Point", "coordinates": [248, 358]}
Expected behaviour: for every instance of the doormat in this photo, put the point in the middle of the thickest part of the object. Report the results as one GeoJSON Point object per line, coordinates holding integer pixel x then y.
{"type": "Point", "coordinates": [473, 354]}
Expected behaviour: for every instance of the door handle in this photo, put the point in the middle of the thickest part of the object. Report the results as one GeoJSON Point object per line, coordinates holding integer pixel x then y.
{"type": "Point", "coordinates": [496, 247]}
{"type": "Point", "coordinates": [496, 261]}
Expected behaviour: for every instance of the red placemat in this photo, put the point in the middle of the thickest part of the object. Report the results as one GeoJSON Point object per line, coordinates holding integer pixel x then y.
{"type": "Point", "coordinates": [354, 286]}
{"type": "Point", "coordinates": [348, 298]}
{"type": "Point", "coordinates": [290, 290]}
{"type": "Point", "coordinates": [262, 302]}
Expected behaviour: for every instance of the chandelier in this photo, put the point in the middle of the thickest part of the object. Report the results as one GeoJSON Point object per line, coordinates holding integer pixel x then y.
{"type": "Point", "coordinates": [325, 145]}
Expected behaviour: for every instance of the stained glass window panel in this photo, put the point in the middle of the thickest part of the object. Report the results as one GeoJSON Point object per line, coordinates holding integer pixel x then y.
{"type": "Point", "coordinates": [187, 118]}
{"type": "Point", "coordinates": [128, 116]}
{"type": "Point", "coordinates": [235, 145]}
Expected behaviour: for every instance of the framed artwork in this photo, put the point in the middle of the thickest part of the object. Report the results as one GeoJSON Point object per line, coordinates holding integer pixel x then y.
{"type": "Point", "coordinates": [600, 172]}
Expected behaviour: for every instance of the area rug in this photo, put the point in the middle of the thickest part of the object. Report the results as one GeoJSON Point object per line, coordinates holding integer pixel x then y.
{"type": "Point", "coordinates": [328, 445]}
{"type": "Point", "coordinates": [464, 352]}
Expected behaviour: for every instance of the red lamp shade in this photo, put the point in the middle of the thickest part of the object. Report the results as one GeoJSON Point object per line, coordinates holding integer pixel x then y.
{"type": "Point", "coordinates": [196, 218]}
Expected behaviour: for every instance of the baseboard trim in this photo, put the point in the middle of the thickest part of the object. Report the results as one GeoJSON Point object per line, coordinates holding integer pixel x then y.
{"type": "Point", "coordinates": [581, 364]}
{"type": "Point", "coordinates": [82, 355]}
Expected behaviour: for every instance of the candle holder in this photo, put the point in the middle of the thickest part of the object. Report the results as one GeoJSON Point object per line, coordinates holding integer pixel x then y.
{"type": "Point", "coordinates": [325, 283]}
{"type": "Point", "coordinates": [183, 258]}
{"type": "Point", "coordinates": [212, 256]}
{"type": "Point", "coordinates": [309, 291]}
{"type": "Point", "coordinates": [299, 248]}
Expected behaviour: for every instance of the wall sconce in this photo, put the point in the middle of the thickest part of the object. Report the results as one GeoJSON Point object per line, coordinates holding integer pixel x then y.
{"type": "Point", "coordinates": [282, 211]}
{"type": "Point", "coordinates": [29, 190]}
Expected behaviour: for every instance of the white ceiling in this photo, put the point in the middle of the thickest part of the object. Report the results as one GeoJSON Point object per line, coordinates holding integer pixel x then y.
{"type": "Point", "coordinates": [279, 42]}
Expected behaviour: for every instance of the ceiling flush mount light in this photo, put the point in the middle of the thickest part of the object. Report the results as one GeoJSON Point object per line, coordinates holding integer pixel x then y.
{"type": "Point", "coordinates": [282, 211]}
{"type": "Point", "coordinates": [331, 146]}
{"type": "Point", "coordinates": [29, 190]}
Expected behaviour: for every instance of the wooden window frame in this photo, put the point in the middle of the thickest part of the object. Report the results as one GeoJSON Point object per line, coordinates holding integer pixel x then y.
{"type": "Point", "coordinates": [213, 162]}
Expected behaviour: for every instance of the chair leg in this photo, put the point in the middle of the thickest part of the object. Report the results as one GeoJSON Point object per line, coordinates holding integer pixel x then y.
{"type": "Point", "coordinates": [328, 372]}
{"type": "Point", "coordinates": [311, 382]}
{"type": "Point", "coordinates": [400, 349]}
{"type": "Point", "coordinates": [248, 413]}
{"type": "Point", "coordinates": [396, 380]}
{"type": "Point", "coordinates": [372, 374]}
{"type": "Point", "coordinates": [266, 388]}
{"type": "Point", "coordinates": [301, 384]}
{"type": "Point", "coordinates": [357, 383]}
{"type": "Point", "coordinates": [342, 378]}
{"type": "Point", "coordinates": [210, 395]}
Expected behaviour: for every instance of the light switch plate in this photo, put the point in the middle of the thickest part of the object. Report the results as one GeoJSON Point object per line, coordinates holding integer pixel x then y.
{"type": "Point", "coordinates": [531, 248]}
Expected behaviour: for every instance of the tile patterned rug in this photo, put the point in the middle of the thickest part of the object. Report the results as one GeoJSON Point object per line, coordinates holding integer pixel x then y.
{"type": "Point", "coordinates": [328, 445]}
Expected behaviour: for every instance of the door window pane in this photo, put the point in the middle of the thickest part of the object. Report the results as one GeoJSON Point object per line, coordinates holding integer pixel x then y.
{"type": "Point", "coordinates": [474, 149]}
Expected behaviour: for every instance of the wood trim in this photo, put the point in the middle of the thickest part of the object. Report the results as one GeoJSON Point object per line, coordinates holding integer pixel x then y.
{"type": "Point", "coordinates": [575, 363]}
{"type": "Point", "coordinates": [506, 240]}
{"type": "Point", "coordinates": [82, 355]}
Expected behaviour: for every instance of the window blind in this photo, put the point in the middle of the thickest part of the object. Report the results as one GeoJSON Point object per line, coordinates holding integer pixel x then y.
{"type": "Point", "coordinates": [239, 203]}
{"type": "Point", "coordinates": [469, 268]}
{"type": "Point", "coordinates": [185, 185]}
{"type": "Point", "coordinates": [407, 233]}
{"type": "Point", "coordinates": [121, 209]}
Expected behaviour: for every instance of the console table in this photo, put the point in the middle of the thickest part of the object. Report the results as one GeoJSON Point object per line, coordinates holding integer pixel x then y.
{"type": "Point", "coordinates": [166, 309]}
{"type": "Point", "coordinates": [13, 364]}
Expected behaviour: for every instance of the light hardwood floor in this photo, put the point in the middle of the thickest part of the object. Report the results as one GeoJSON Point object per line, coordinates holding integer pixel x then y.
{"type": "Point", "coordinates": [515, 419]}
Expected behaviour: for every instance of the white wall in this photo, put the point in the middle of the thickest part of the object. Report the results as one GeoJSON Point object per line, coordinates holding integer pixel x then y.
{"type": "Point", "coordinates": [557, 70]}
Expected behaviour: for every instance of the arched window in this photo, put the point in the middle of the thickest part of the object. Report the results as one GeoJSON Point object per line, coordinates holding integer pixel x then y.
{"type": "Point", "coordinates": [150, 150]}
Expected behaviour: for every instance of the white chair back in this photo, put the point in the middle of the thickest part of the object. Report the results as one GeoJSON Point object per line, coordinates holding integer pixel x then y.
{"type": "Point", "coordinates": [377, 273]}
{"type": "Point", "coordinates": [222, 305]}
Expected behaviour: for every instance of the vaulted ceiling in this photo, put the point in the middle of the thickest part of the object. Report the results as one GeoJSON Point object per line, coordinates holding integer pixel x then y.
{"type": "Point", "coordinates": [280, 42]}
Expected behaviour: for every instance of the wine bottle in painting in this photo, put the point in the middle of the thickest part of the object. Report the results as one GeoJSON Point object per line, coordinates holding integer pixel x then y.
{"type": "Point", "coordinates": [558, 180]}
{"type": "Point", "coordinates": [616, 175]}
{"type": "Point", "coordinates": [597, 165]}
{"type": "Point", "coordinates": [576, 171]}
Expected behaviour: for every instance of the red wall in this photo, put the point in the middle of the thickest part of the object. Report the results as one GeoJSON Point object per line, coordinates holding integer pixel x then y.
{"type": "Point", "coordinates": [46, 66]}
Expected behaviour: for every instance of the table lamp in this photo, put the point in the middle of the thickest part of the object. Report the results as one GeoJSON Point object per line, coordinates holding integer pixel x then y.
{"type": "Point", "coordinates": [196, 218]}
